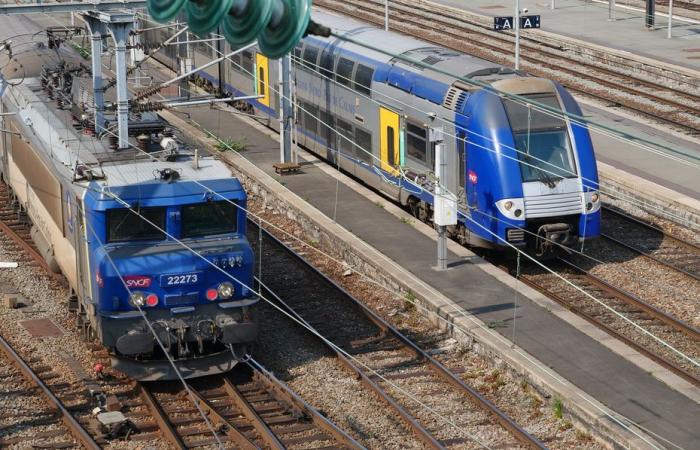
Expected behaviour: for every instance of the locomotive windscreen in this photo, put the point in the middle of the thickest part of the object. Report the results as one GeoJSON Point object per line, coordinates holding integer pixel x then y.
{"type": "Point", "coordinates": [203, 219]}
{"type": "Point", "coordinates": [541, 139]}
{"type": "Point", "coordinates": [124, 225]}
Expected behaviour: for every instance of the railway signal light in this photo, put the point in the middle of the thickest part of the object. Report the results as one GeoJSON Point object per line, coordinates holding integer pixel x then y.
{"type": "Point", "coordinates": [277, 24]}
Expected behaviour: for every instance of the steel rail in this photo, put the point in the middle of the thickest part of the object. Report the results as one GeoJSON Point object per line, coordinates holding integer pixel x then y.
{"type": "Point", "coordinates": [73, 425]}
{"type": "Point", "coordinates": [242, 442]}
{"type": "Point", "coordinates": [689, 245]}
{"type": "Point", "coordinates": [503, 419]}
{"type": "Point", "coordinates": [421, 433]}
{"type": "Point", "coordinates": [281, 391]}
{"type": "Point", "coordinates": [650, 256]}
{"type": "Point", "coordinates": [161, 419]}
{"type": "Point", "coordinates": [692, 248]}
{"type": "Point", "coordinates": [417, 27]}
{"type": "Point", "coordinates": [253, 417]}
{"type": "Point", "coordinates": [633, 300]}
{"type": "Point", "coordinates": [681, 372]}
{"type": "Point", "coordinates": [6, 209]}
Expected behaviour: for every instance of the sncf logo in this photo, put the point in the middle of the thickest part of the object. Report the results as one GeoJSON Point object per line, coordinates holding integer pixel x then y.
{"type": "Point", "coordinates": [137, 281]}
{"type": "Point", "coordinates": [472, 177]}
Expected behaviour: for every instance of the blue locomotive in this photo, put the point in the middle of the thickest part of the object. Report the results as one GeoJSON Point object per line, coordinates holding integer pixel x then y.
{"type": "Point", "coordinates": [521, 175]}
{"type": "Point", "coordinates": [163, 232]}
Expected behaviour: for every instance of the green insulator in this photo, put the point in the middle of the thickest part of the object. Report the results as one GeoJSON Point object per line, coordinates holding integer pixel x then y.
{"type": "Point", "coordinates": [203, 16]}
{"type": "Point", "coordinates": [245, 20]}
{"type": "Point", "coordinates": [287, 26]}
{"type": "Point", "coordinates": [164, 10]}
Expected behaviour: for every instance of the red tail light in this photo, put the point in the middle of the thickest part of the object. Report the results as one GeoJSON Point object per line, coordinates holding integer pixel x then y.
{"type": "Point", "coordinates": [212, 294]}
{"type": "Point", "coordinates": [151, 300]}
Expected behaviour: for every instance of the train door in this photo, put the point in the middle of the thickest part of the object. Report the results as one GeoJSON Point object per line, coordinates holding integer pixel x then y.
{"type": "Point", "coordinates": [389, 148]}
{"type": "Point", "coordinates": [262, 79]}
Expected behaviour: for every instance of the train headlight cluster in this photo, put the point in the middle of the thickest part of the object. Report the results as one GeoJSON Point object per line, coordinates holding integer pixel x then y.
{"type": "Point", "coordinates": [225, 290]}
{"type": "Point", "coordinates": [137, 299]}
{"type": "Point", "coordinates": [512, 208]}
{"type": "Point", "coordinates": [592, 201]}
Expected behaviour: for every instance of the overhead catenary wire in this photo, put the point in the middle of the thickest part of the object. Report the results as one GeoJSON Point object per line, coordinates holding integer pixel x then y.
{"type": "Point", "coordinates": [636, 326]}
{"type": "Point", "coordinates": [259, 293]}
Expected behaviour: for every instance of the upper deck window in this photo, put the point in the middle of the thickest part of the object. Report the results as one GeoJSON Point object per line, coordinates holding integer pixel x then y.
{"type": "Point", "coordinates": [124, 225]}
{"type": "Point", "coordinates": [204, 219]}
{"type": "Point", "coordinates": [541, 140]}
{"type": "Point", "coordinates": [343, 71]}
{"type": "Point", "coordinates": [310, 57]}
{"type": "Point", "coordinates": [363, 79]}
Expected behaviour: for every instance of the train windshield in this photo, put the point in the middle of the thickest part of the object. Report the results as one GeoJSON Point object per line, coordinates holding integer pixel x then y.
{"type": "Point", "coordinates": [139, 224]}
{"type": "Point", "coordinates": [541, 140]}
{"type": "Point", "coordinates": [204, 219]}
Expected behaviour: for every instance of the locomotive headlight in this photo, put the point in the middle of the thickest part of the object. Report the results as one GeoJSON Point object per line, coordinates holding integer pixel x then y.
{"type": "Point", "coordinates": [591, 201]}
{"type": "Point", "coordinates": [512, 208]}
{"type": "Point", "coordinates": [225, 290]}
{"type": "Point", "coordinates": [137, 299]}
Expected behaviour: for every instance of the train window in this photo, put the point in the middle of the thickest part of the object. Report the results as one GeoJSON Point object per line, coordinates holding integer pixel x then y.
{"type": "Point", "coordinates": [310, 113]}
{"type": "Point", "coordinates": [261, 81]}
{"type": "Point", "coordinates": [204, 219]}
{"type": "Point", "coordinates": [310, 57]}
{"type": "Point", "coordinates": [236, 62]}
{"type": "Point", "coordinates": [345, 138]}
{"type": "Point", "coordinates": [297, 53]}
{"type": "Point", "coordinates": [363, 79]}
{"type": "Point", "coordinates": [417, 142]}
{"type": "Point", "coordinates": [541, 140]}
{"type": "Point", "coordinates": [326, 64]}
{"type": "Point", "coordinates": [125, 225]}
{"type": "Point", "coordinates": [390, 147]}
{"type": "Point", "coordinates": [343, 71]}
{"type": "Point", "coordinates": [247, 62]}
{"type": "Point", "coordinates": [326, 127]}
{"type": "Point", "coordinates": [364, 145]}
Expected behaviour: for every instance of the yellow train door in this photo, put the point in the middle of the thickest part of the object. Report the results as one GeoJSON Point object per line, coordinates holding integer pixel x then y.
{"type": "Point", "coordinates": [262, 79]}
{"type": "Point", "coordinates": [389, 149]}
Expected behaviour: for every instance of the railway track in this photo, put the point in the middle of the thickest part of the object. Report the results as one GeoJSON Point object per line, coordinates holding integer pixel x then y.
{"type": "Point", "coordinates": [248, 408]}
{"type": "Point", "coordinates": [677, 105]}
{"type": "Point", "coordinates": [680, 335]}
{"type": "Point", "coordinates": [16, 233]}
{"type": "Point", "coordinates": [652, 242]}
{"type": "Point", "coordinates": [34, 425]}
{"type": "Point", "coordinates": [386, 362]}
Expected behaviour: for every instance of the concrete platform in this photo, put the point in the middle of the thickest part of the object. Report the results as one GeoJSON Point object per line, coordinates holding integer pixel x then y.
{"type": "Point", "coordinates": [589, 21]}
{"type": "Point", "coordinates": [626, 385]}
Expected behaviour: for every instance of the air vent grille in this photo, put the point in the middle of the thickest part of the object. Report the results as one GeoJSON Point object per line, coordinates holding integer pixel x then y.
{"type": "Point", "coordinates": [455, 98]}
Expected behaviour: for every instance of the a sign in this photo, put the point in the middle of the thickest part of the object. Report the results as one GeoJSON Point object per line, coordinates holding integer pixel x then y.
{"type": "Point", "coordinates": [507, 23]}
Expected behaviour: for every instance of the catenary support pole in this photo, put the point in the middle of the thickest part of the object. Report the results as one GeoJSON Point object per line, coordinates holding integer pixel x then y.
{"type": "Point", "coordinates": [440, 172]}
{"type": "Point", "coordinates": [285, 80]}
{"type": "Point", "coordinates": [649, 16]}
{"type": "Point", "coordinates": [516, 19]}
{"type": "Point", "coordinates": [611, 10]}
{"type": "Point", "coordinates": [670, 19]}
{"type": "Point", "coordinates": [386, 15]}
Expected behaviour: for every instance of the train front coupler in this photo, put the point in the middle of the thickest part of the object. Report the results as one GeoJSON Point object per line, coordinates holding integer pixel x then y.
{"type": "Point", "coordinates": [553, 236]}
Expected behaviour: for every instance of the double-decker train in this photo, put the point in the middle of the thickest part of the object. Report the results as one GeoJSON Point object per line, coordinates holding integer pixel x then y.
{"type": "Point", "coordinates": [157, 230]}
{"type": "Point", "coordinates": [521, 175]}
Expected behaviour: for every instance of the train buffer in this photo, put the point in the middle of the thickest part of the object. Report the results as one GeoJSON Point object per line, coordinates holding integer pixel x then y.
{"type": "Point", "coordinates": [283, 168]}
